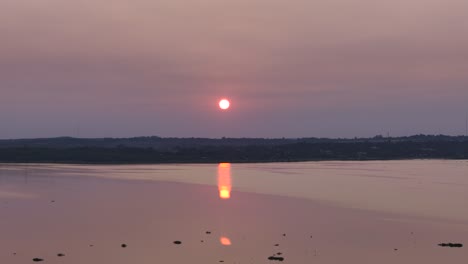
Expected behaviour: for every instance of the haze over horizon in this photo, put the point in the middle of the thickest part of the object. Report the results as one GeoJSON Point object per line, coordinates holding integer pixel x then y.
{"type": "Point", "coordinates": [299, 68]}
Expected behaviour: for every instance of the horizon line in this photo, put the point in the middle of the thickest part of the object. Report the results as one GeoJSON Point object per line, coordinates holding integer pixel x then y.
{"type": "Point", "coordinates": [378, 136]}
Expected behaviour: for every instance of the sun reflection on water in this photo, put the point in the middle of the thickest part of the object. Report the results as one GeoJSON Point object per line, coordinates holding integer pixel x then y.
{"type": "Point", "coordinates": [225, 241]}
{"type": "Point", "coordinates": [224, 188]}
{"type": "Point", "coordinates": [224, 180]}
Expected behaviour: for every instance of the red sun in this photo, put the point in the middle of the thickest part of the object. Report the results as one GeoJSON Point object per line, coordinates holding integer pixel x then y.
{"type": "Point", "coordinates": [224, 104]}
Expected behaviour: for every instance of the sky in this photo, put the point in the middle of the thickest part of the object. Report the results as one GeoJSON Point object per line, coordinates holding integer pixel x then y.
{"type": "Point", "coordinates": [295, 68]}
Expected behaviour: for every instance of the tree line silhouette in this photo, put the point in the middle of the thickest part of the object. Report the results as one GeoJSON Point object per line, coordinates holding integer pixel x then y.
{"type": "Point", "coordinates": [193, 150]}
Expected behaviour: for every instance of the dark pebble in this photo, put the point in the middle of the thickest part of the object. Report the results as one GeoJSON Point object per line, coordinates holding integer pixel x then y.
{"type": "Point", "coordinates": [279, 253]}
{"type": "Point", "coordinates": [37, 259]}
{"type": "Point", "coordinates": [284, 234]}
{"type": "Point", "coordinates": [221, 261]}
{"type": "Point", "coordinates": [124, 245]}
{"type": "Point", "coordinates": [276, 245]}
{"type": "Point", "coordinates": [275, 258]}
{"type": "Point", "coordinates": [456, 245]}
{"type": "Point", "coordinates": [208, 232]}
{"type": "Point", "coordinates": [60, 255]}
{"type": "Point", "coordinates": [177, 242]}
{"type": "Point", "coordinates": [202, 241]}
{"type": "Point", "coordinates": [395, 249]}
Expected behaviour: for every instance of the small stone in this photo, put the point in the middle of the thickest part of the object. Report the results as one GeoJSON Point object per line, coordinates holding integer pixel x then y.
{"type": "Point", "coordinates": [37, 259]}
{"type": "Point", "coordinates": [60, 255]}
{"type": "Point", "coordinates": [208, 232]}
{"type": "Point", "coordinates": [124, 245]}
{"type": "Point", "coordinates": [177, 242]}
{"type": "Point", "coordinates": [279, 253]}
{"type": "Point", "coordinates": [276, 245]}
{"type": "Point", "coordinates": [284, 235]}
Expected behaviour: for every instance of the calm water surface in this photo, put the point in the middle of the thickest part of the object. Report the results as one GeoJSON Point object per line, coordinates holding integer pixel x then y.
{"type": "Point", "coordinates": [323, 212]}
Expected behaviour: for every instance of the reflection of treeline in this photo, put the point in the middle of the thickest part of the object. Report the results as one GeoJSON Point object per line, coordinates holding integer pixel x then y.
{"type": "Point", "coordinates": [296, 151]}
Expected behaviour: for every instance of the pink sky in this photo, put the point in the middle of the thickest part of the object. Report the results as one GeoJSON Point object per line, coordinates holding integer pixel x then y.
{"type": "Point", "coordinates": [296, 68]}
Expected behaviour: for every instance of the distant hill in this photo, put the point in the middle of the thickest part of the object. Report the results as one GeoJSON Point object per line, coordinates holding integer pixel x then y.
{"type": "Point", "coordinates": [203, 150]}
{"type": "Point", "coordinates": [138, 142]}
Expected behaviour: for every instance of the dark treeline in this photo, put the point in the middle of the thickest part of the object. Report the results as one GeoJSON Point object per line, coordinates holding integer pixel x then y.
{"type": "Point", "coordinates": [172, 143]}
{"type": "Point", "coordinates": [193, 150]}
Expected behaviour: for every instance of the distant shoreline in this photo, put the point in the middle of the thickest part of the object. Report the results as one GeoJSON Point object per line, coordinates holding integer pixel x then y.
{"type": "Point", "coordinates": [208, 163]}
{"type": "Point", "coordinates": [155, 150]}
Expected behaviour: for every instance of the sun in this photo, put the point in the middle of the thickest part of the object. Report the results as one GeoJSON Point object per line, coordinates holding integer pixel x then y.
{"type": "Point", "coordinates": [224, 104]}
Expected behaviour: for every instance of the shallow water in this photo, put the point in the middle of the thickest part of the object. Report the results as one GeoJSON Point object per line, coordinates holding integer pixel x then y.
{"type": "Point", "coordinates": [330, 212]}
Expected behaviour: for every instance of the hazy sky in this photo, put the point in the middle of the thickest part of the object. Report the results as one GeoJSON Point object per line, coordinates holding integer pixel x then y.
{"type": "Point", "coordinates": [292, 68]}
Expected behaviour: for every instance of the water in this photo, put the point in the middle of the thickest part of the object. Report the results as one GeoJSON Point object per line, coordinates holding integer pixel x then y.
{"type": "Point", "coordinates": [386, 212]}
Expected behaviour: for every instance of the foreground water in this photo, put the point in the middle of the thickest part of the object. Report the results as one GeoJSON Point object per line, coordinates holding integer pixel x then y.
{"type": "Point", "coordinates": [312, 212]}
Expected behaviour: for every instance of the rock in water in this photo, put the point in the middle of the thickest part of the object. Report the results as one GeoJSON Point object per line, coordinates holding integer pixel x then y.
{"type": "Point", "coordinates": [275, 258]}
{"type": "Point", "coordinates": [456, 245]}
